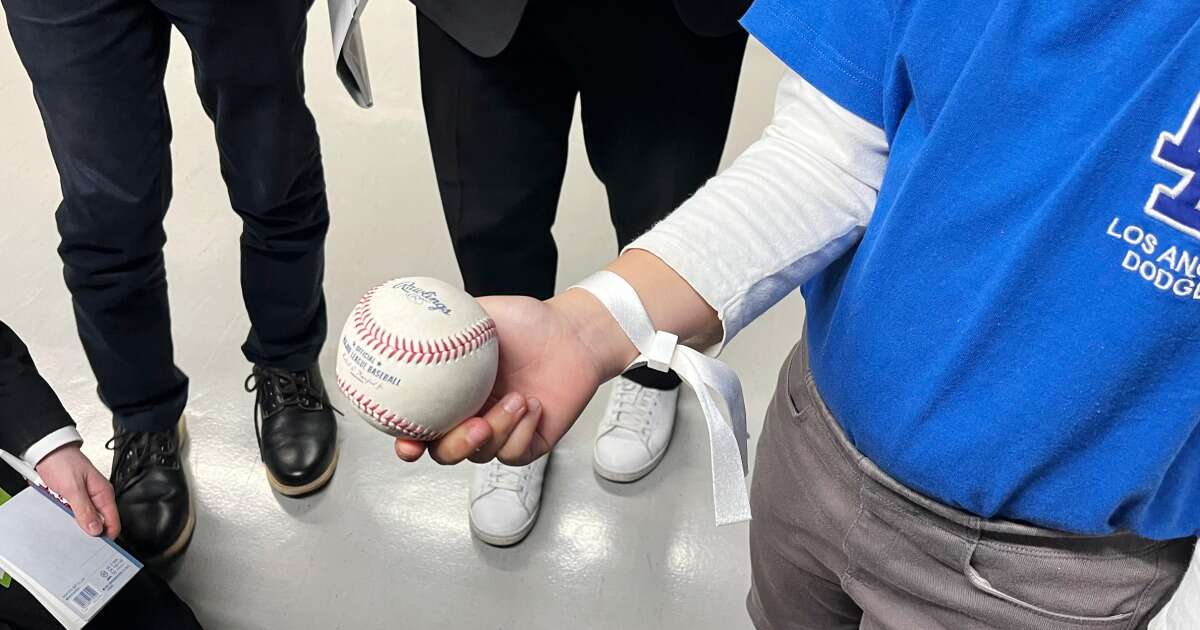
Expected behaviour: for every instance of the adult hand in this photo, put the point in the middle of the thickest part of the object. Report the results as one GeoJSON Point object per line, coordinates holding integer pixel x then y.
{"type": "Point", "coordinates": [69, 473]}
{"type": "Point", "coordinates": [554, 355]}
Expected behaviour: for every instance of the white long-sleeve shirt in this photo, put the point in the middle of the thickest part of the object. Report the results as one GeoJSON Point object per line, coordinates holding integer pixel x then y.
{"type": "Point", "coordinates": [789, 205]}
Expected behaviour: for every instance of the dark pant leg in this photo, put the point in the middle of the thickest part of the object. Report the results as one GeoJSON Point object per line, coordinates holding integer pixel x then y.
{"type": "Point", "coordinates": [498, 130]}
{"type": "Point", "coordinates": [655, 109]}
{"type": "Point", "coordinates": [248, 61]}
{"type": "Point", "coordinates": [655, 112]}
{"type": "Point", "coordinates": [97, 70]}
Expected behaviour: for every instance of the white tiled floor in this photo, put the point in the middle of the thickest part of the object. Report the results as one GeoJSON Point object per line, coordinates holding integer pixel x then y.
{"type": "Point", "coordinates": [387, 545]}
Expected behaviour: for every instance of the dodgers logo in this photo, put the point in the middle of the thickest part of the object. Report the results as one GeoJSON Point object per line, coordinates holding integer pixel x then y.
{"type": "Point", "coordinates": [1179, 206]}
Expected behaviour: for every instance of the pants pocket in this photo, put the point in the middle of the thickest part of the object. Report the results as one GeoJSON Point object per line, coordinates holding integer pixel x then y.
{"type": "Point", "coordinates": [920, 570]}
{"type": "Point", "coordinates": [1093, 587]}
{"type": "Point", "coordinates": [792, 391]}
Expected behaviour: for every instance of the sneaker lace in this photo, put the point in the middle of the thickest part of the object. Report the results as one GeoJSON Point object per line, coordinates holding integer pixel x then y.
{"type": "Point", "coordinates": [502, 477]}
{"type": "Point", "coordinates": [135, 452]}
{"type": "Point", "coordinates": [633, 407]}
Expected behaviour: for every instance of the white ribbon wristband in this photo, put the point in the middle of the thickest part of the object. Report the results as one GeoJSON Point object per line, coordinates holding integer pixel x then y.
{"type": "Point", "coordinates": [707, 376]}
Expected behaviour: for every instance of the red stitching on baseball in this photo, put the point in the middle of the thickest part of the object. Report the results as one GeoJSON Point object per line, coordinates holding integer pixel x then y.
{"type": "Point", "coordinates": [386, 417]}
{"type": "Point", "coordinates": [419, 351]}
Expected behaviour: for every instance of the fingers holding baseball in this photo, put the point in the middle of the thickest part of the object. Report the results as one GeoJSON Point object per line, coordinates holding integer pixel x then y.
{"type": "Point", "coordinates": [507, 425]}
{"type": "Point", "coordinates": [515, 412]}
{"type": "Point", "coordinates": [480, 433]}
{"type": "Point", "coordinates": [525, 443]}
{"type": "Point", "coordinates": [462, 441]}
{"type": "Point", "coordinates": [409, 450]}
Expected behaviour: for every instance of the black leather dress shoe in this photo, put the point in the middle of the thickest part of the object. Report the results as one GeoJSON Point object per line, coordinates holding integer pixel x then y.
{"type": "Point", "coordinates": [297, 433]}
{"type": "Point", "coordinates": [153, 500]}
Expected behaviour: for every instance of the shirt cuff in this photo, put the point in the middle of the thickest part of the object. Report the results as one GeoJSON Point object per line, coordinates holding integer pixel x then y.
{"type": "Point", "coordinates": [52, 442]}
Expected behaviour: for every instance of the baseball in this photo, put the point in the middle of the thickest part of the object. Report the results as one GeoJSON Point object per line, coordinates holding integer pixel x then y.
{"type": "Point", "coordinates": [417, 356]}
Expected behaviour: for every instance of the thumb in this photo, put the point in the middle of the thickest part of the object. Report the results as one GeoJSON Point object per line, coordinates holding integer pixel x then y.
{"type": "Point", "coordinates": [86, 515]}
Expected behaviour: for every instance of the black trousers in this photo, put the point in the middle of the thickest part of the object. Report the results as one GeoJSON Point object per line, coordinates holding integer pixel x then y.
{"type": "Point", "coordinates": [97, 70]}
{"type": "Point", "coordinates": [655, 102]}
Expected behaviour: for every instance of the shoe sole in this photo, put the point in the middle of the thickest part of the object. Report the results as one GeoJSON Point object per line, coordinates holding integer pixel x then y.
{"type": "Point", "coordinates": [310, 487]}
{"type": "Point", "coordinates": [509, 539]}
{"type": "Point", "coordinates": [627, 477]}
{"type": "Point", "coordinates": [185, 537]}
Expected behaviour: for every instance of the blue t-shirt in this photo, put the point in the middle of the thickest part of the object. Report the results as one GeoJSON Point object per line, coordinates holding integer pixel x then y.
{"type": "Point", "coordinates": [1018, 332]}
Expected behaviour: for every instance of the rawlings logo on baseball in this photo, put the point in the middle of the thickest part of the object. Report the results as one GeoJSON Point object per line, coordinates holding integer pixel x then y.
{"type": "Point", "coordinates": [426, 297]}
{"type": "Point", "coordinates": [417, 356]}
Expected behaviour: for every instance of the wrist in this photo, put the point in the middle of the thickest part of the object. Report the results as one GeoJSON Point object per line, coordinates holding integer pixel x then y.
{"type": "Point", "coordinates": [671, 302]}
{"type": "Point", "coordinates": [598, 331]}
{"type": "Point", "coordinates": [70, 450]}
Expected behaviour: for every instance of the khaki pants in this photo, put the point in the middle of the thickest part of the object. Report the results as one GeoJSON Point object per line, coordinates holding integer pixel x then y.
{"type": "Point", "coordinates": [837, 544]}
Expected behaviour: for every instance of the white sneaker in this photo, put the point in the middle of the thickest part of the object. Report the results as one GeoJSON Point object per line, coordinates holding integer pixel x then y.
{"type": "Point", "coordinates": [635, 431]}
{"type": "Point", "coordinates": [505, 500]}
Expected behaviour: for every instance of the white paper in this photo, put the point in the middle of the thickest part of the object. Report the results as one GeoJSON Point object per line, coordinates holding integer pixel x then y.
{"type": "Point", "coordinates": [72, 574]}
{"type": "Point", "coordinates": [341, 15]}
{"type": "Point", "coordinates": [349, 52]}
